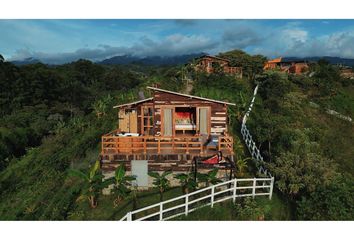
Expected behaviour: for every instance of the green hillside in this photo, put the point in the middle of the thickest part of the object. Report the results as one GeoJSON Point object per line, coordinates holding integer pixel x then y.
{"type": "Point", "coordinates": [52, 119]}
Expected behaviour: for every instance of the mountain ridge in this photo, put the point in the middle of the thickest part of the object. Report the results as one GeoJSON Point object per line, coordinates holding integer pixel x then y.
{"type": "Point", "coordinates": [179, 59]}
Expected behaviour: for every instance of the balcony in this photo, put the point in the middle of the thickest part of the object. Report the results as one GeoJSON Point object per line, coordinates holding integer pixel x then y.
{"type": "Point", "coordinates": [115, 143]}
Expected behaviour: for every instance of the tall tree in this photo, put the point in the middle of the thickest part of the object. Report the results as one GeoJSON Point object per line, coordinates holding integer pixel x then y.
{"type": "Point", "coordinates": [251, 65]}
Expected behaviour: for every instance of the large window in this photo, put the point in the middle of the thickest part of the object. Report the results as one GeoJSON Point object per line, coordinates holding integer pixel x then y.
{"type": "Point", "coordinates": [185, 120]}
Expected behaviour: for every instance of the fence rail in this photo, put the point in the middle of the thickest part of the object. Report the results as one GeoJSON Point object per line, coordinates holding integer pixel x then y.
{"type": "Point", "coordinates": [250, 143]}
{"type": "Point", "coordinates": [208, 196]}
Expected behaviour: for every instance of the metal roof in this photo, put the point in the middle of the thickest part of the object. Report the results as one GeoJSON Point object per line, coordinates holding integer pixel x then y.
{"type": "Point", "coordinates": [191, 96]}
{"type": "Point", "coordinates": [133, 103]}
{"type": "Point", "coordinates": [210, 56]}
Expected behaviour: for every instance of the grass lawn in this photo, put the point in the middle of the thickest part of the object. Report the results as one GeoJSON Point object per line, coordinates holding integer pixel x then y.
{"type": "Point", "coordinates": [106, 211]}
{"type": "Point", "coordinates": [275, 209]}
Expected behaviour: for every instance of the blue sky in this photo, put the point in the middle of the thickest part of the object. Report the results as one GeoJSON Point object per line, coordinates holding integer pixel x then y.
{"type": "Point", "coordinates": [59, 41]}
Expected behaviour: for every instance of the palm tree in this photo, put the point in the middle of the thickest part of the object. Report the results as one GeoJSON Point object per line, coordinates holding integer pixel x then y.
{"type": "Point", "coordinates": [187, 182]}
{"type": "Point", "coordinates": [121, 184]}
{"type": "Point", "coordinates": [60, 126]}
{"type": "Point", "coordinates": [93, 183]}
{"type": "Point", "coordinates": [241, 165]}
{"type": "Point", "coordinates": [236, 113]}
{"type": "Point", "coordinates": [238, 149]}
{"type": "Point", "coordinates": [161, 182]}
{"type": "Point", "coordinates": [100, 107]}
{"type": "Point", "coordinates": [209, 177]}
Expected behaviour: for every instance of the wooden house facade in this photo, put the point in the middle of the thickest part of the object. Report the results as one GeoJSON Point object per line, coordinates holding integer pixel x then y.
{"type": "Point", "coordinates": [292, 67]}
{"type": "Point", "coordinates": [168, 131]}
{"type": "Point", "coordinates": [209, 64]}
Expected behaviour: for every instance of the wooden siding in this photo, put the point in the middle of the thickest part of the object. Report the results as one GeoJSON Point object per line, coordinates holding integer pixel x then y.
{"type": "Point", "coordinates": [165, 153]}
{"type": "Point", "coordinates": [122, 117]}
{"type": "Point", "coordinates": [218, 111]}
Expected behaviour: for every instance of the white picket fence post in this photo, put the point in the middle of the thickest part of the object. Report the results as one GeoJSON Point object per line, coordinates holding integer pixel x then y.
{"type": "Point", "coordinates": [129, 216]}
{"type": "Point", "coordinates": [271, 188]}
{"type": "Point", "coordinates": [234, 191]}
{"type": "Point", "coordinates": [186, 207]}
{"type": "Point", "coordinates": [251, 145]}
{"type": "Point", "coordinates": [161, 210]}
{"type": "Point", "coordinates": [254, 188]}
{"type": "Point", "coordinates": [209, 193]}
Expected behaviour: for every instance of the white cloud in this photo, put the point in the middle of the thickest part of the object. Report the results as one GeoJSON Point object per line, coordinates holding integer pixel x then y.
{"type": "Point", "coordinates": [171, 45]}
{"type": "Point", "coordinates": [256, 37]}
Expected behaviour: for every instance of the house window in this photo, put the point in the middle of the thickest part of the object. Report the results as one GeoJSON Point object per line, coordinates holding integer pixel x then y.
{"type": "Point", "coordinates": [147, 120]}
{"type": "Point", "coordinates": [185, 120]}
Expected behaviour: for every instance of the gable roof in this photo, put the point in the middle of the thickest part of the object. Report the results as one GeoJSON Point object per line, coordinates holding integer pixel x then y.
{"type": "Point", "coordinates": [190, 96]}
{"type": "Point", "coordinates": [276, 60]}
{"type": "Point", "coordinates": [219, 58]}
{"type": "Point", "coordinates": [133, 103]}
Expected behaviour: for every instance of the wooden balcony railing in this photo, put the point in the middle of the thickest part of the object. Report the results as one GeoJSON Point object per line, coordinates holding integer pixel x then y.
{"type": "Point", "coordinates": [226, 143]}
{"type": "Point", "coordinates": [111, 143]}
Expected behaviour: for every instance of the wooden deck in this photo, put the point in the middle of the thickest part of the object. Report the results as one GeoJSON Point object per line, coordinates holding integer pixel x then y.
{"type": "Point", "coordinates": [183, 144]}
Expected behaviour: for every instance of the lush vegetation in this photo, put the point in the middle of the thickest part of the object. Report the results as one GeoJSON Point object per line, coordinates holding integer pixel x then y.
{"type": "Point", "coordinates": [51, 124]}
{"type": "Point", "coordinates": [301, 142]}
{"type": "Point", "coordinates": [52, 118]}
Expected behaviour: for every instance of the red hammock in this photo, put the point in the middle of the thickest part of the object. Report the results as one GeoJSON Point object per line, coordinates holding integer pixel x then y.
{"type": "Point", "coordinates": [212, 160]}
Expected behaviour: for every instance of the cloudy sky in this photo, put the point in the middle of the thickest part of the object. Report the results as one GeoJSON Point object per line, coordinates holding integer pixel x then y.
{"type": "Point", "coordinates": [59, 41]}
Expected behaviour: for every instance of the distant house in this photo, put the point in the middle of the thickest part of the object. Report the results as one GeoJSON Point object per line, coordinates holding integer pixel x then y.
{"type": "Point", "coordinates": [209, 64]}
{"type": "Point", "coordinates": [294, 67]}
{"type": "Point", "coordinates": [346, 72]}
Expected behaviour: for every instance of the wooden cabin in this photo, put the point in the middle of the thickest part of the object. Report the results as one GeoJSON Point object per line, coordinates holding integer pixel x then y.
{"type": "Point", "coordinates": [293, 67]}
{"type": "Point", "coordinates": [209, 63]}
{"type": "Point", "coordinates": [168, 131]}
{"type": "Point", "coordinates": [346, 72]}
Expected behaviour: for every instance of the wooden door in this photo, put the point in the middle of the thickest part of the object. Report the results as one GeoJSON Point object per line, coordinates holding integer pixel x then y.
{"type": "Point", "coordinates": [167, 122]}
{"type": "Point", "coordinates": [203, 120]}
{"type": "Point", "coordinates": [123, 120]}
{"type": "Point", "coordinates": [128, 120]}
{"type": "Point", "coordinates": [133, 121]}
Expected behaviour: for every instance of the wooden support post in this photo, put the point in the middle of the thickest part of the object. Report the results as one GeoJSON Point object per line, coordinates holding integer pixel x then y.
{"type": "Point", "coordinates": [186, 206]}
{"type": "Point", "coordinates": [254, 187]}
{"type": "Point", "coordinates": [161, 211]}
{"type": "Point", "coordinates": [212, 196]}
{"type": "Point", "coordinates": [234, 190]}
{"type": "Point", "coordinates": [271, 188]}
{"type": "Point", "coordinates": [187, 151]}
{"type": "Point", "coordinates": [144, 142]}
{"type": "Point", "coordinates": [158, 146]}
{"type": "Point", "coordinates": [116, 144]}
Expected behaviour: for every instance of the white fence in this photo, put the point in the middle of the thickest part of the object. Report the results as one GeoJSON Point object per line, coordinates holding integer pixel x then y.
{"type": "Point", "coordinates": [251, 145]}
{"type": "Point", "coordinates": [208, 196]}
